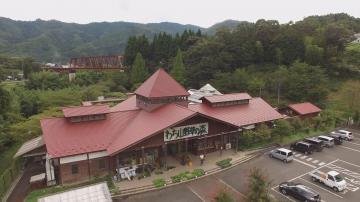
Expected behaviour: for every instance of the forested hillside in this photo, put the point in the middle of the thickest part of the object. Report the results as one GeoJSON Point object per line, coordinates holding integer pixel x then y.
{"type": "Point", "coordinates": [55, 41]}
{"type": "Point", "coordinates": [310, 60]}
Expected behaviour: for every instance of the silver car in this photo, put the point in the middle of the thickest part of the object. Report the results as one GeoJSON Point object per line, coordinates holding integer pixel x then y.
{"type": "Point", "coordinates": [282, 154]}
{"type": "Point", "coordinates": [328, 141]}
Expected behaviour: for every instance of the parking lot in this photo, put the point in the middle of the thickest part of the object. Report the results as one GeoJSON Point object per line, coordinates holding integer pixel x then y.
{"type": "Point", "coordinates": [341, 158]}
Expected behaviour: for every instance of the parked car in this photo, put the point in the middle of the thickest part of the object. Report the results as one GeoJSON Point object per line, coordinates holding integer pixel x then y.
{"type": "Point", "coordinates": [318, 144]}
{"type": "Point", "coordinates": [331, 179]}
{"type": "Point", "coordinates": [328, 141]}
{"type": "Point", "coordinates": [344, 134]}
{"type": "Point", "coordinates": [337, 138]}
{"type": "Point", "coordinates": [303, 147]}
{"type": "Point", "coordinates": [282, 154]}
{"type": "Point", "coordinates": [299, 191]}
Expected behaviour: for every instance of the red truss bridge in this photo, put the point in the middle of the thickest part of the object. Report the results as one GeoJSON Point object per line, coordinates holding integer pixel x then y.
{"type": "Point", "coordinates": [92, 63]}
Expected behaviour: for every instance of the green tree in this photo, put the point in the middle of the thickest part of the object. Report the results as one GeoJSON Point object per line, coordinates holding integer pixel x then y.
{"type": "Point", "coordinates": [138, 71]}
{"type": "Point", "coordinates": [314, 54]}
{"type": "Point", "coordinates": [223, 196]}
{"type": "Point", "coordinates": [258, 187]}
{"type": "Point", "coordinates": [282, 129]}
{"type": "Point", "coordinates": [5, 100]}
{"type": "Point", "coordinates": [178, 70]}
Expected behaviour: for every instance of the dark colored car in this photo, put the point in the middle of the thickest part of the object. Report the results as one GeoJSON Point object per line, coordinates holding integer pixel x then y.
{"type": "Point", "coordinates": [299, 191]}
{"type": "Point", "coordinates": [318, 144]}
{"type": "Point", "coordinates": [337, 138]}
{"type": "Point", "coordinates": [303, 147]}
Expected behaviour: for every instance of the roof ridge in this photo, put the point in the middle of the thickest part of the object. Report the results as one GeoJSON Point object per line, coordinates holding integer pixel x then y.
{"type": "Point", "coordinates": [95, 105]}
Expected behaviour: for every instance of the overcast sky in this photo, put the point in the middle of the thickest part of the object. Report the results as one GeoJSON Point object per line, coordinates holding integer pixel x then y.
{"type": "Point", "coordinates": [198, 12]}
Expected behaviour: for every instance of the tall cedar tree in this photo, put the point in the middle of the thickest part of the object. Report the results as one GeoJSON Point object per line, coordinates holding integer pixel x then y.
{"type": "Point", "coordinates": [259, 187]}
{"type": "Point", "coordinates": [178, 70]}
{"type": "Point", "coordinates": [138, 70]}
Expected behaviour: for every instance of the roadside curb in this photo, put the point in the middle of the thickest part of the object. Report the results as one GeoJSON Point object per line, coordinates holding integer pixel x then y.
{"type": "Point", "coordinates": [150, 187]}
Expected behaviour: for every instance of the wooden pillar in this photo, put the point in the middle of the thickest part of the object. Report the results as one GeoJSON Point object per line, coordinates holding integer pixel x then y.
{"type": "Point", "coordinates": [186, 145]}
{"type": "Point", "coordinates": [206, 145]}
{"type": "Point", "coordinates": [143, 158]}
{"type": "Point", "coordinates": [237, 142]}
{"type": "Point", "coordinates": [88, 160]}
{"type": "Point", "coordinates": [222, 144]}
{"type": "Point", "coordinates": [165, 155]}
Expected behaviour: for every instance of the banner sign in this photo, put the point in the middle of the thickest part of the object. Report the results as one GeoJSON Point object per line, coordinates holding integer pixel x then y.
{"type": "Point", "coordinates": [186, 131]}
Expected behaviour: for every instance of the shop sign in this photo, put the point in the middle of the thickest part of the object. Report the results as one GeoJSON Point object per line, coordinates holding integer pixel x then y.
{"type": "Point", "coordinates": [186, 131]}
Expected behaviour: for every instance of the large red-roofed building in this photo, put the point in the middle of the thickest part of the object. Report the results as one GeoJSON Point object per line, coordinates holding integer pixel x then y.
{"type": "Point", "coordinates": [145, 129]}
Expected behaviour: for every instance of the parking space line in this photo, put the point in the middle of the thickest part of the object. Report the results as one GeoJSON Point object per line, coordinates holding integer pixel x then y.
{"type": "Point", "coordinates": [321, 188]}
{"type": "Point", "coordinates": [303, 157]}
{"type": "Point", "coordinates": [198, 195]}
{"type": "Point", "coordinates": [349, 148]}
{"type": "Point", "coordinates": [350, 163]}
{"type": "Point", "coordinates": [277, 191]}
{"type": "Point", "coordinates": [312, 166]}
{"type": "Point", "coordinates": [312, 170]}
{"type": "Point", "coordinates": [308, 159]}
{"type": "Point", "coordinates": [231, 187]}
{"type": "Point", "coordinates": [297, 155]}
{"type": "Point", "coordinates": [315, 161]}
{"type": "Point", "coordinates": [353, 143]}
{"type": "Point", "coordinates": [321, 164]}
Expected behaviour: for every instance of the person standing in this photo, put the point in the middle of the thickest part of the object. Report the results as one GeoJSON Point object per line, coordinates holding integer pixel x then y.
{"type": "Point", "coordinates": [202, 158]}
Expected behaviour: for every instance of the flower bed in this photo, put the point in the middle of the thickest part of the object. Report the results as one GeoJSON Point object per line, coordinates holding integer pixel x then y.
{"type": "Point", "coordinates": [224, 163]}
{"type": "Point", "coordinates": [187, 175]}
{"type": "Point", "coordinates": [160, 182]}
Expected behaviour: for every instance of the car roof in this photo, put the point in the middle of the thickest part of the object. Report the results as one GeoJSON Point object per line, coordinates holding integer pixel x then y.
{"type": "Point", "coordinates": [333, 173]}
{"type": "Point", "coordinates": [313, 139]}
{"type": "Point", "coordinates": [302, 142]}
{"type": "Point", "coordinates": [344, 131]}
{"type": "Point", "coordinates": [284, 150]}
{"type": "Point", "coordinates": [326, 137]}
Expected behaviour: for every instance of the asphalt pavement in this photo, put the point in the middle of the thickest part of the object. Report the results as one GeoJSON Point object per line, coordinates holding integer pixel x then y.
{"type": "Point", "coordinates": [341, 158]}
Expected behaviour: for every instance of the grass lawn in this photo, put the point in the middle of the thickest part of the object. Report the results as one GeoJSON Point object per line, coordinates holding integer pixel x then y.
{"type": "Point", "coordinates": [35, 195]}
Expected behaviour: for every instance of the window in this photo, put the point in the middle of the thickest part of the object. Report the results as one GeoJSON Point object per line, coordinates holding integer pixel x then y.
{"type": "Point", "coordinates": [74, 169]}
{"type": "Point", "coordinates": [101, 163]}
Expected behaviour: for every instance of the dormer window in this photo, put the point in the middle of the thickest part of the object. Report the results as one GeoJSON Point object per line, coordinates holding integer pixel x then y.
{"type": "Point", "coordinates": [227, 99]}
{"type": "Point", "coordinates": [86, 113]}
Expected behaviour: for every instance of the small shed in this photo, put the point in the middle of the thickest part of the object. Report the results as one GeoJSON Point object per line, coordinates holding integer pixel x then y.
{"type": "Point", "coordinates": [302, 110]}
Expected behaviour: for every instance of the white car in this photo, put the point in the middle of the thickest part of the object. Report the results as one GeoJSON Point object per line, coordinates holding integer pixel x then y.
{"type": "Point", "coordinates": [344, 134]}
{"type": "Point", "coordinates": [282, 154]}
{"type": "Point", "coordinates": [331, 179]}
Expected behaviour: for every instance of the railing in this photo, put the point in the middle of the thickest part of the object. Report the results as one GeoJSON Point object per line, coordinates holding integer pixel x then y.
{"type": "Point", "coordinates": [8, 177]}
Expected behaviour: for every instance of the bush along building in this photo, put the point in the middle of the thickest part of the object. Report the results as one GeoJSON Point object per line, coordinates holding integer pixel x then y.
{"type": "Point", "coordinates": [154, 124]}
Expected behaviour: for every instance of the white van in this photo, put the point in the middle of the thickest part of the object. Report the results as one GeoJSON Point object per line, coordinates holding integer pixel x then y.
{"type": "Point", "coordinates": [328, 141]}
{"type": "Point", "coordinates": [282, 154]}
{"type": "Point", "coordinates": [347, 135]}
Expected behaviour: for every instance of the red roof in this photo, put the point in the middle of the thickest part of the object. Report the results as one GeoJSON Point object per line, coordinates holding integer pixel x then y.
{"type": "Point", "coordinates": [146, 124]}
{"type": "Point", "coordinates": [227, 97]}
{"type": "Point", "coordinates": [256, 111]}
{"type": "Point", "coordinates": [63, 138]}
{"type": "Point", "coordinates": [304, 108]}
{"type": "Point", "coordinates": [85, 110]}
{"type": "Point", "coordinates": [128, 104]}
{"type": "Point", "coordinates": [117, 132]}
{"type": "Point", "coordinates": [161, 84]}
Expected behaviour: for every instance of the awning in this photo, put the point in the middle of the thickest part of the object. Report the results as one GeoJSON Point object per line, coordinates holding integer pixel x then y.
{"type": "Point", "coordinates": [30, 145]}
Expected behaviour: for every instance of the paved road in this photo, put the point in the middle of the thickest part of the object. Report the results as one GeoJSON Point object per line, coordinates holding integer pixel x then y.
{"type": "Point", "coordinates": [344, 159]}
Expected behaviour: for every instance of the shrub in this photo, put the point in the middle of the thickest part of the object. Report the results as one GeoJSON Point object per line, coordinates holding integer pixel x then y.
{"type": "Point", "coordinates": [223, 196]}
{"type": "Point", "coordinates": [176, 178]}
{"type": "Point", "coordinates": [158, 172]}
{"type": "Point", "coordinates": [159, 182]}
{"type": "Point", "coordinates": [189, 176]}
{"type": "Point", "coordinates": [224, 163]}
{"type": "Point", "coordinates": [198, 172]}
